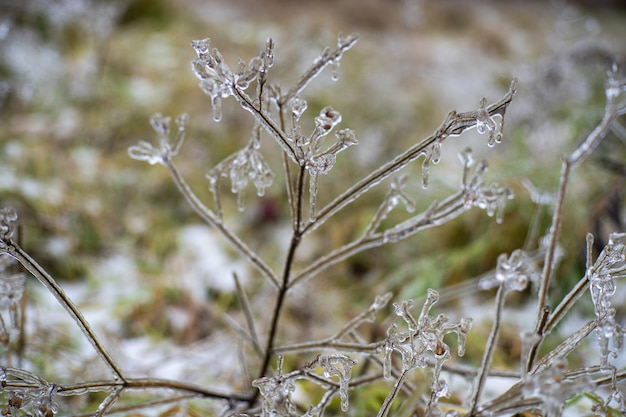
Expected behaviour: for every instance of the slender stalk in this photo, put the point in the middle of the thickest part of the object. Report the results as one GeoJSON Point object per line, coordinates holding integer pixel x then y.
{"type": "Point", "coordinates": [568, 302]}
{"type": "Point", "coordinates": [386, 406]}
{"type": "Point", "coordinates": [270, 126]}
{"type": "Point", "coordinates": [554, 234]}
{"type": "Point", "coordinates": [42, 276]}
{"type": "Point", "coordinates": [208, 216]}
{"type": "Point", "coordinates": [489, 349]}
{"type": "Point", "coordinates": [284, 286]}
{"type": "Point", "coordinates": [453, 125]}
{"type": "Point", "coordinates": [247, 309]}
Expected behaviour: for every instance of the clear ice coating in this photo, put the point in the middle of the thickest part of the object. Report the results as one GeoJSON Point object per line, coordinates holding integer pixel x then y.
{"type": "Point", "coordinates": [246, 165]}
{"type": "Point", "coordinates": [423, 341]}
{"type": "Point", "coordinates": [513, 272]}
{"type": "Point", "coordinates": [298, 107]}
{"type": "Point", "coordinates": [145, 151]}
{"type": "Point", "coordinates": [492, 199]}
{"type": "Point", "coordinates": [277, 390]}
{"type": "Point", "coordinates": [340, 366]}
{"type": "Point", "coordinates": [609, 266]}
{"type": "Point", "coordinates": [8, 217]}
{"type": "Point", "coordinates": [486, 124]}
{"type": "Point", "coordinates": [553, 388]}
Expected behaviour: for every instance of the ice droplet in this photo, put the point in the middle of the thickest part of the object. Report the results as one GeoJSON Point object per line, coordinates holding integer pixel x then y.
{"type": "Point", "coordinates": [436, 152]}
{"type": "Point", "coordinates": [335, 70]}
{"type": "Point", "coordinates": [216, 101]}
{"type": "Point", "coordinates": [425, 171]}
{"type": "Point", "coordinates": [484, 122]}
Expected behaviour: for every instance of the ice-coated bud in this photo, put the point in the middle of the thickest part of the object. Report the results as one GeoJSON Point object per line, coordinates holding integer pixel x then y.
{"type": "Point", "coordinates": [161, 124]}
{"type": "Point", "coordinates": [269, 53]}
{"type": "Point", "coordinates": [298, 106]}
{"type": "Point", "coordinates": [484, 122]}
{"type": "Point", "coordinates": [346, 137]}
{"type": "Point", "coordinates": [328, 119]}
{"type": "Point", "coordinates": [202, 47]}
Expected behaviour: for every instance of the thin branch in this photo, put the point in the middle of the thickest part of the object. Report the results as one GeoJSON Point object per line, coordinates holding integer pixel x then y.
{"type": "Point", "coordinates": [453, 125]}
{"type": "Point", "coordinates": [208, 216]}
{"type": "Point", "coordinates": [489, 348]}
{"type": "Point", "coordinates": [42, 276]}
{"type": "Point", "coordinates": [247, 309]}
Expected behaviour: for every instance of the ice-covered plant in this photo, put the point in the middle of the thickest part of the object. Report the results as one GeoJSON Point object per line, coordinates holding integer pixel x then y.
{"type": "Point", "coordinates": [348, 359]}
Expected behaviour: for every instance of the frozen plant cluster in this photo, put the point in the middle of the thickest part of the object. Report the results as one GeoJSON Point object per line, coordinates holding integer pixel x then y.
{"type": "Point", "coordinates": [285, 377]}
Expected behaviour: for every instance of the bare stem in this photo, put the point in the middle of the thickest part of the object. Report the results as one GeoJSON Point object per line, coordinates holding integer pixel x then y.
{"type": "Point", "coordinates": [42, 276]}
{"type": "Point", "coordinates": [208, 216]}
{"type": "Point", "coordinates": [454, 124]}
{"type": "Point", "coordinates": [489, 349]}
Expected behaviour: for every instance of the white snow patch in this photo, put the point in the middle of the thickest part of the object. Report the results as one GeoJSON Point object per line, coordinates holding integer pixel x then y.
{"type": "Point", "coordinates": [202, 263]}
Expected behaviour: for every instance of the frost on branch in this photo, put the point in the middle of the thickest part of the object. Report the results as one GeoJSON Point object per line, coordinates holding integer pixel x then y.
{"type": "Point", "coordinates": [422, 344]}
{"type": "Point", "coordinates": [145, 151]}
{"type": "Point", "coordinates": [609, 265]}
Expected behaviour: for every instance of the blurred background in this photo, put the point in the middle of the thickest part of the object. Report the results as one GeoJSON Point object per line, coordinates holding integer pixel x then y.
{"type": "Point", "coordinates": [79, 80]}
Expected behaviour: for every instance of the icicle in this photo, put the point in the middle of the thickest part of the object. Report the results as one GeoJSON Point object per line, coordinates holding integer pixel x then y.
{"type": "Point", "coordinates": [5, 339]}
{"type": "Point", "coordinates": [312, 196]}
{"type": "Point", "coordinates": [340, 366]}
{"type": "Point", "coordinates": [216, 101]}
{"type": "Point", "coordinates": [436, 152]}
{"type": "Point", "coordinates": [8, 217]}
{"type": "Point", "coordinates": [298, 106]}
{"type": "Point", "coordinates": [334, 75]}
{"type": "Point", "coordinates": [426, 170]}
{"type": "Point", "coordinates": [269, 53]}
{"type": "Point", "coordinates": [389, 348]}
{"type": "Point", "coordinates": [485, 123]}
